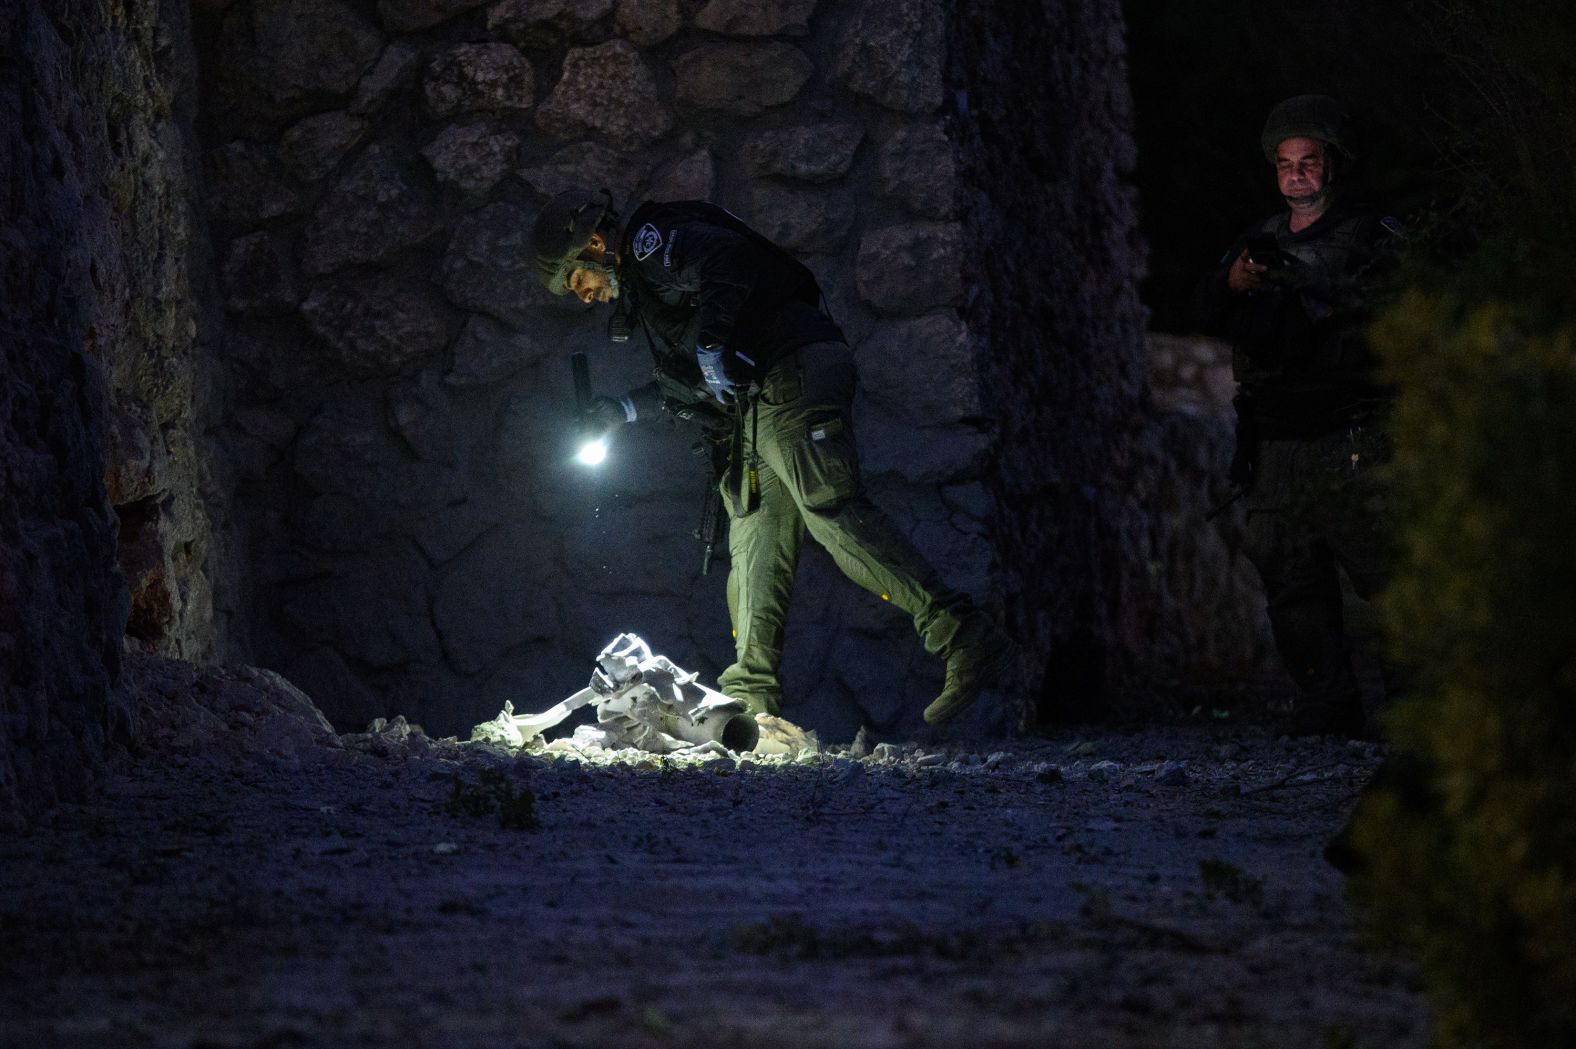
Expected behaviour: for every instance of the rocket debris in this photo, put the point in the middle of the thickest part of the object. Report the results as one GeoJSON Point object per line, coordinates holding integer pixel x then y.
{"type": "Point", "coordinates": [647, 702]}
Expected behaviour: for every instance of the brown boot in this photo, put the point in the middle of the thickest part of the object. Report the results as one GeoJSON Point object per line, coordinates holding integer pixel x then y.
{"type": "Point", "coordinates": [971, 669]}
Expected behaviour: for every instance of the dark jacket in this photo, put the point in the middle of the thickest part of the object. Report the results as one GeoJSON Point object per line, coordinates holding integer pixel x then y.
{"type": "Point", "coordinates": [692, 275]}
{"type": "Point", "coordinates": [1299, 346]}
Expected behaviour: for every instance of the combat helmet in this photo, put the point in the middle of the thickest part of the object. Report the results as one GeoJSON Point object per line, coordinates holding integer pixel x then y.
{"type": "Point", "coordinates": [561, 230]}
{"type": "Point", "coordinates": [1308, 116]}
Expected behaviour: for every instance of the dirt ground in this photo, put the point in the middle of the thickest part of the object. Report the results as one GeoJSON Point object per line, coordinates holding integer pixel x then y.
{"type": "Point", "coordinates": [1163, 888]}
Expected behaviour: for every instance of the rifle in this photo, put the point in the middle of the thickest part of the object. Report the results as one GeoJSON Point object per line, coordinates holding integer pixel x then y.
{"type": "Point", "coordinates": [711, 521]}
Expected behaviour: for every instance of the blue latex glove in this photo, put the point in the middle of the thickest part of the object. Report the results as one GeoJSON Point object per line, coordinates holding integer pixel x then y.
{"type": "Point", "coordinates": [726, 373]}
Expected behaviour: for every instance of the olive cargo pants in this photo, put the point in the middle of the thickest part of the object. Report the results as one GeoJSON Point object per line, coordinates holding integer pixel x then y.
{"type": "Point", "coordinates": [1317, 506]}
{"type": "Point", "coordinates": [801, 429]}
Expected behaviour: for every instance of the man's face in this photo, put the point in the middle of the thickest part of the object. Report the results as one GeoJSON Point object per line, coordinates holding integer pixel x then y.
{"type": "Point", "coordinates": [590, 284]}
{"type": "Point", "coordinates": [1300, 172]}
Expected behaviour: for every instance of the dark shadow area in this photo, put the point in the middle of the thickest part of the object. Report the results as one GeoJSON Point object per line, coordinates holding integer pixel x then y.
{"type": "Point", "coordinates": [1205, 75]}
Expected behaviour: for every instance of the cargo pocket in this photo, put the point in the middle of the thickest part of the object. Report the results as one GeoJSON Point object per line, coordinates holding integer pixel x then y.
{"type": "Point", "coordinates": [825, 464]}
{"type": "Point", "coordinates": [784, 383]}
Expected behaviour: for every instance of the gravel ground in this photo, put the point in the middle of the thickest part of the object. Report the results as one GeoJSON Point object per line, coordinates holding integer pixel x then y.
{"type": "Point", "coordinates": [1163, 888]}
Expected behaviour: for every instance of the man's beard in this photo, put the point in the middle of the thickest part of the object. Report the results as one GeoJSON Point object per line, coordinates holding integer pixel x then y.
{"type": "Point", "coordinates": [1307, 200]}
{"type": "Point", "coordinates": [612, 279]}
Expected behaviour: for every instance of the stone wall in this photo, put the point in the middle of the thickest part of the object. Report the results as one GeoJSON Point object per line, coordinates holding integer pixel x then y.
{"type": "Point", "coordinates": [418, 539]}
{"type": "Point", "coordinates": [93, 275]}
{"type": "Point", "coordinates": [1208, 603]}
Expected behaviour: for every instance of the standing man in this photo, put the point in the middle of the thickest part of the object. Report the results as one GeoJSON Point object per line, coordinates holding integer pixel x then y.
{"type": "Point", "coordinates": [740, 342]}
{"type": "Point", "coordinates": [1294, 295]}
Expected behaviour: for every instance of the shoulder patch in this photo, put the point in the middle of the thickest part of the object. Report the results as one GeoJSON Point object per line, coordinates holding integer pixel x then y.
{"type": "Point", "coordinates": [646, 241]}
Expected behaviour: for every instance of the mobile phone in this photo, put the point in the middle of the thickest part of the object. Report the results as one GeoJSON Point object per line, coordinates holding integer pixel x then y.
{"type": "Point", "coordinates": [1264, 250]}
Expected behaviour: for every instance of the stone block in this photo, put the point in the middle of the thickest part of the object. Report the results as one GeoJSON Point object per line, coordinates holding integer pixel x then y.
{"type": "Point", "coordinates": [963, 557]}
{"type": "Point", "coordinates": [348, 449]}
{"type": "Point", "coordinates": [395, 68]}
{"type": "Point", "coordinates": [446, 532]}
{"type": "Point", "coordinates": [532, 433]}
{"type": "Point", "coordinates": [802, 220]}
{"type": "Point", "coordinates": [920, 455]}
{"type": "Point", "coordinates": [756, 17]}
{"type": "Point", "coordinates": [375, 608]}
{"type": "Point", "coordinates": [635, 547]}
{"type": "Point", "coordinates": [247, 185]}
{"type": "Point", "coordinates": [313, 146]}
{"type": "Point", "coordinates": [472, 78]}
{"type": "Point", "coordinates": [404, 16]}
{"type": "Point", "coordinates": [286, 57]}
{"type": "Point", "coordinates": [489, 266]}
{"type": "Point", "coordinates": [488, 352]}
{"type": "Point", "coordinates": [971, 504]}
{"type": "Point", "coordinates": [273, 428]}
{"type": "Point", "coordinates": [547, 24]}
{"type": "Point", "coordinates": [496, 596]}
{"type": "Point", "coordinates": [646, 23]}
{"type": "Point", "coordinates": [911, 268]}
{"type": "Point", "coordinates": [918, 169]}
{"type": "Point", "coordinates": [472, 157]}
{"type": "Point", "coordinates": [421, 415]}
{"type": "Point", "coordinates": [741, 79]}
{"type": "Point", "coordinates": [606, 89]}
{"type": "Point", "coordinates": [586, 164]}
{"type": "Point", "coordinates": [373, 212]}
{"type": "Point", "coordinates": [260, 276]}
{"type": "Point", "coordinates": [924, 371]}
{"type": "Point", "coordinates": [820, 152]}
{"type": "Point", "coordinates": [892, 52]}
{"type": "Point", "coordinates": [691, 177]}
{"type": "Point", "coordinates": [336, 523]}
{"type": "Point", "coordinates": [376, 326]}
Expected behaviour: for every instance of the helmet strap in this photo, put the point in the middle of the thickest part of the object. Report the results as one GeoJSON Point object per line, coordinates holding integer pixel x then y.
{"type": "Point", "coordinates": [611, 269]}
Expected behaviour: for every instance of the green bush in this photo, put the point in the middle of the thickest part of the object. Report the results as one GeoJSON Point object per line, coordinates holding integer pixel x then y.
{"type": "Point", "coordinates": [1470, 841]}
{"type": "Point", "coordinates": [1472, 854]}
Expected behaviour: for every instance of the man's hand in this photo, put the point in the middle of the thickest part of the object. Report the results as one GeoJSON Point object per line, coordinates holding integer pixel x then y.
{"type": "Point", "coordinates": [726, 373]}
{"type": "Point", "coordinates": [1245, 275]}
{"type": "Point", "coordinates": [607, 413]}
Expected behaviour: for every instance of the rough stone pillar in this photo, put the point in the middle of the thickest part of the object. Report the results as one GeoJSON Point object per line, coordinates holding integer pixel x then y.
{"type": "Point", "coordinates": [97, 386]}
{"type": "Point", "coordinates": [62, 608]}
{"type": "Point", "coordinates": [1054, 260]}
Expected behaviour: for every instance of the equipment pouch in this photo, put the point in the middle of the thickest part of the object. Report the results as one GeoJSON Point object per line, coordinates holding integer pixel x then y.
{"type": "Point", "coordinates": [825, 463]}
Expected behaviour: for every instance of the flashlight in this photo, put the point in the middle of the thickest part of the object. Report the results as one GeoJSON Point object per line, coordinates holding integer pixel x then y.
{"type": "Point", "coordinates": [593, 443]}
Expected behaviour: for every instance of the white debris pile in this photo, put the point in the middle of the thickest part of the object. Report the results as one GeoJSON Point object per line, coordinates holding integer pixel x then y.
{"type": "Point", "coordinates": [645, 702]}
